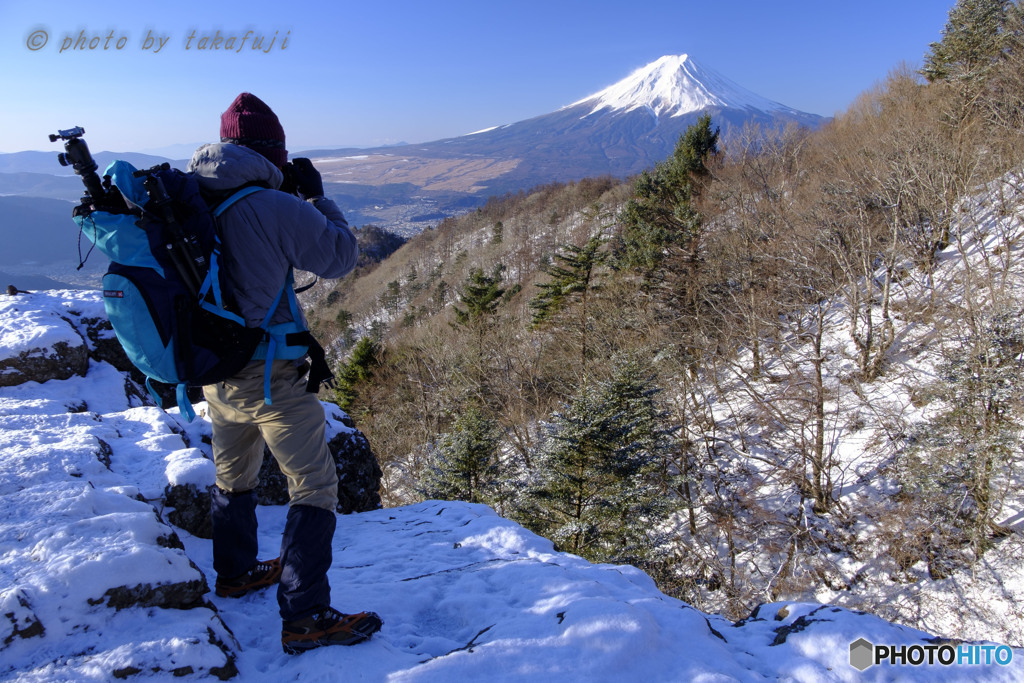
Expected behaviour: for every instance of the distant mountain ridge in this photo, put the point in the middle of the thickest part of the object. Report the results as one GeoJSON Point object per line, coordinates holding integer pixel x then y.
{"type": "Point", "coordinates": [46, 162]}
{"type": "Point", "coordinates": [619, 131]}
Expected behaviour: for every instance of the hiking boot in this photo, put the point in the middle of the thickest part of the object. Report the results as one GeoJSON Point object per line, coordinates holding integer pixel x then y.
{"type": "Point", "coordinates": [328, 626]}
{"type": "Point", "coordinates": [263, 574]}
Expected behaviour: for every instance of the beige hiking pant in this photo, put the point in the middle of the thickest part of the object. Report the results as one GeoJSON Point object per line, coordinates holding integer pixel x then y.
{"type": "Point", "coordinates": [293, 426]}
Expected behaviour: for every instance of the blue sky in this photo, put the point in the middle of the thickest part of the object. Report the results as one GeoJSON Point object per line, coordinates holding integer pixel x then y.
{"type": "Point", "coordinates": [384, 71]}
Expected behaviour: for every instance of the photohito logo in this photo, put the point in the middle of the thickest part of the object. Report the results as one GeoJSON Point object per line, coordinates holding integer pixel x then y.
{"type": "Point", "coordinates": [865, 654]}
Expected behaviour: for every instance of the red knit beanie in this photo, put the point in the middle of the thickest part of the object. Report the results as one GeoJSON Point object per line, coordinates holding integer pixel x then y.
{"type": "Point", "coordinates": [251, 123]}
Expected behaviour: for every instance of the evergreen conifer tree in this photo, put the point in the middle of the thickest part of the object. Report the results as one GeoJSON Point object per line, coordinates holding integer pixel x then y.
{"type": "Point", "coordinates": [572, 276]}
{"type": "Point", "coordinates": [661, 215]}
{"type": "Point", "coordinates": [971, 42]}
{"type": "Point", "coordinates": [572, 280]}
{"type": "Point", "coordinates": [464, 463]}
{"type": "Point", "coordinates": [358, 369]}
{"type": "Point", "coordinates": [598, 491]}
{"type": "Point", "coordinates": [480, 295]}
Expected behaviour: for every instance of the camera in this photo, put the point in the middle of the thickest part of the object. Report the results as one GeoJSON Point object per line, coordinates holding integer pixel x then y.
{"type": "Point", "coordinates": [75, 132]}
{"type": "Point", "coordinates": [76, 155]}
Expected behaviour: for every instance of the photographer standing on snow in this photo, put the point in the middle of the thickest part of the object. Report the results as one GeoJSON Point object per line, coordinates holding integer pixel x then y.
{"type": "Point", "coordinates": [265, 236]}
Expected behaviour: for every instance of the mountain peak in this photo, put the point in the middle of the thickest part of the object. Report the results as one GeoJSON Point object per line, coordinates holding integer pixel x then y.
{"type": "Point", "coordinates": [676, 85]}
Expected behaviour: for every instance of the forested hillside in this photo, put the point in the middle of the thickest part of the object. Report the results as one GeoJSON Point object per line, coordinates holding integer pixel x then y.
{"type": "Point", "coordinates": [787, 368]}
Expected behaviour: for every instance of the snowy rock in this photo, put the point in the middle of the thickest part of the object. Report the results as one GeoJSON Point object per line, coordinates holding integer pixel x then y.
{"type": "Point", "coordinates": [359, 473]}
{"type": "Point", "coordinates": [188, 508]}
{"type": "Point", "coordinates": [53, 334]}
{"type": "Point", "coordinates": [179, 595]}
{"type": "Point", "coordinates": [38, 344]}
{"type": "Point", "coordinates": [19, 619]}
{"type": "Point", "coordinates": [95, 585]}
{"type": "Point", "coordinates": [59, 361]}
{"type": "Point", "coordinates": [104, 346]}
{"type": "Point", "coordinates": [79, 546]}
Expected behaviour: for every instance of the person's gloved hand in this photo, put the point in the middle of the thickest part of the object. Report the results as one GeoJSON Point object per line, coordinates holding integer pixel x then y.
{"type": "Point", "coordinates": [302, 179]}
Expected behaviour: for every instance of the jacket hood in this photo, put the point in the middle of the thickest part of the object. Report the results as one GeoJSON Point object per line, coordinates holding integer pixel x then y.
{"type": "Point", "coordinates": [220, 167]}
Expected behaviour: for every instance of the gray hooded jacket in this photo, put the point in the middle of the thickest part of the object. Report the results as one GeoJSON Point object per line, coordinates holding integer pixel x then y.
{"type": "Point", "coordinates": [266, 233]}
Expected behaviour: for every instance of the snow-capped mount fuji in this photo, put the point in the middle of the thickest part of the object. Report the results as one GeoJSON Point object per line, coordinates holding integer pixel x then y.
{"type": "Point", "coordinates": [619, 131]}
{"type": "Point", "coordinates": [630, 125]}
{"type": "Point", "coordinates": [676, 85]}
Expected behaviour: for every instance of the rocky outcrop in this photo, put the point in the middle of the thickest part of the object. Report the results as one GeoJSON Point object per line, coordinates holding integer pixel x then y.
{"type": "Point", "coordinates": [48, 336]}
{"type": "Point", "coordinates": [59, 361]}
{"type": "Point", "coordinates": [179, 595]}
{"type": "Point", "coordinates": [188, 508]}
{"type": "Point", "coordinates": [104, 346]}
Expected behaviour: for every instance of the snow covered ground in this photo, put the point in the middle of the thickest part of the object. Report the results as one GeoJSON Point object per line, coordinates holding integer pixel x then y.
{"type": "Point", "coordinates": [89, 571]}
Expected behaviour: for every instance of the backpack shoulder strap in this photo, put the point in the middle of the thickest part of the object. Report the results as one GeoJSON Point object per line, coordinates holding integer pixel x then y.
{"type": "Point", "coordinates": [244, 192]}
{"type": "Point", "coordinates": [212, 281]}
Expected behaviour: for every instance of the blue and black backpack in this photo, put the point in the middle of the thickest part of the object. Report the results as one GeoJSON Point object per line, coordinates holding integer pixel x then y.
{"type": "Point", "coordinates": [165, 292]}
